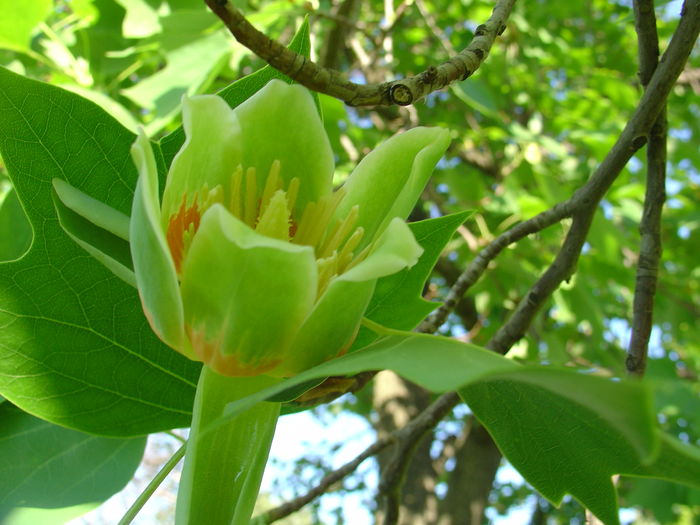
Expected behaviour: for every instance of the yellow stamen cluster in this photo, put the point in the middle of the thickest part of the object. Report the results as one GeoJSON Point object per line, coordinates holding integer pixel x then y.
{"type": "Point", "coordinates": [272, 214]}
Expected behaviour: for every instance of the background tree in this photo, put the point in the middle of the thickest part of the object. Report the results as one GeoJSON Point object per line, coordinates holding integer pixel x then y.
{"type": "Point", "coordinates": [533, 129]}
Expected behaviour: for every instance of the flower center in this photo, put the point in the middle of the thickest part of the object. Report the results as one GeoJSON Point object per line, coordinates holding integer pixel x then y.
{"type": "Point", "coordinates": [271, 213]}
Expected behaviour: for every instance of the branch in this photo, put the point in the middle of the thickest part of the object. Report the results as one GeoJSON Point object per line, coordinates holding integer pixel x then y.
{"type": "Point", "coordinates": [412, 432]}
{"type": "Point", "coordinates": [402, 92]}
{"type": "Point", "coordinates": [582, 205]}
{"type": "Point", "coordinates": [336, 36]}
{"type": "Point", "coordinates": [408, 439]}
{"type": "Point", "coordinates": [478, 266]}
{"type": "Point", "coordinates": [655, 195]}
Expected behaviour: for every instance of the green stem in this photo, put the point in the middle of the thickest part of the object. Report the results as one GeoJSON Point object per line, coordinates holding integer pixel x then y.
{"type": "Point", "coordinates": [223, 468]}
{"type": "Point", "coordinates": [152, 486]}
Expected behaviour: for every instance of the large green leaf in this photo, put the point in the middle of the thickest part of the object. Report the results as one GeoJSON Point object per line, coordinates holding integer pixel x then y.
{"type": "Point", "coordinates": [566, 432]}
{"type": "Point", "coordinates": [49, 467]}
{"type": "Point", "coordinates": [75, 348]}
{"type": "Point", "coordinates": [676, 461]}
{"type": "Point", "coordinates": [397, 301]}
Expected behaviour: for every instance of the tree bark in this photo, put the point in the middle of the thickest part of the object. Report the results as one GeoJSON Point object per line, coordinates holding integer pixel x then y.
{"type": "Point", "coordinates": [470, 482]}
{"type": "Point", "coordinates": [397, 401]}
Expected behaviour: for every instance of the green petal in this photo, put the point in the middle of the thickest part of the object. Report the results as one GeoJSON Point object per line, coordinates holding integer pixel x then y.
{"type": "Point", "coordinates": [332, 326]}
{"type": "Point", "coordinates": [281, 122]}
{"type": "Point", "coordinates": [245, 294]}
{"type": "Point", "coordinates": [210, 153]}
{"type": "Point", "coordinates": [388, 181]}
{"type": "Point", "coordinates": [154, 268]}
{"type": "Point", "coordinates": [97, 212]}
{"type": "Point", "coordinates": [395, 250]}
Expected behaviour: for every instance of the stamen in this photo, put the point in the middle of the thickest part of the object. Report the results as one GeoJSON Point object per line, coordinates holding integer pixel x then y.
{"type": "Point", "coordinates": [345, 256]}
{"type": "Point", "coordinates": [272, 184]}
{"type": "Point", "coordinates": [274, 222]}
{"type": "Point", "coordinates": [293, 192]}
{"type": "Point", "coordinates": [234, 203]}
{"type": "Point", "coordinates": [327, 269]}
{"type": "Point", "coordinates": [341, 230]}
{"type": "Point", "coordinates": [360, 257]}
{"type": "Point", "coordinates": [211, 196]}
{"type": "Point", "coordinates": [305, 223]}
{"type": "Point", "coordinates": [250, 209]}
{"type": "Point", "coordinates": [311, 230]}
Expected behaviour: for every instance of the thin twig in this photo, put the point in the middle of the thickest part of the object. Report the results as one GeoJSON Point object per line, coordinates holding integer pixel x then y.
{"type": "Point", "coordinates": [413, 431]}
{"type": "Point", "coordinates": [402, 92]}
{"type": "Point", "coordinates": [435, 28]}
{"type": "Point", "coordinates": [478, 266]}
{"type": "Point", "coordinates": [325, 484]}
{"type": "Point", "coordinates": [655, 195]}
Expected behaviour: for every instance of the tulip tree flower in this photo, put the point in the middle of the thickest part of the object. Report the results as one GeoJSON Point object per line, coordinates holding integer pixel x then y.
{"type": "Point", "coordinates": [252, 264]}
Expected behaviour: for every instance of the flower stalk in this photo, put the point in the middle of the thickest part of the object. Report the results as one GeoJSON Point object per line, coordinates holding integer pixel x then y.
{"type": "Point", "coordinates": [223, 468]}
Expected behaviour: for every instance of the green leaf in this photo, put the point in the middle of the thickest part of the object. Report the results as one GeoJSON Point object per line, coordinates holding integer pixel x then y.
{"type": "Point", "coordinates": [397, 301]}
{"type": "Point", "coordinates": [243, 89]}
{"type": "Point", "coordinates": [436, 363]}
{"type": "Point", "coordinates": [50, 467]}
{"type": "Point", "coordinates": [189, 69]}
{"type": "Point", "coordinates": [676, 461]}
{"type": "Point", "coordinates": [567, 432]}
{"type": "Point", "coordinates": [19, 20]}
{"type": "Point", "coordinates": [32, 516]}
{"type": "Point", "coordinates": [75, 348]}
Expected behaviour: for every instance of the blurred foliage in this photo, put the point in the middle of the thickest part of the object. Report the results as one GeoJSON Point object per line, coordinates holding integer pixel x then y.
{"type": "Point", "coordinates": [528, 129]}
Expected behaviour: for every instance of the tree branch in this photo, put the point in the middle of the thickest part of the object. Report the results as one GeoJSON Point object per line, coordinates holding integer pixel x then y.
{"type": "Point", "coordinates": [582, 205]}
{"type": "Point", "coordinates": [412, 432]}
{"type": "Point", "coordinates": [402, 92]}
{"type": "Point", "coordinates": [655, 195]}
{"type": "Point", "coordinates": [336, 36]}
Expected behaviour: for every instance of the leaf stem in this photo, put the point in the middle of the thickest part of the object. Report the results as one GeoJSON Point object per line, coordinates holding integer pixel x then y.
{"type": "Point", "coordinates": [152, 486]}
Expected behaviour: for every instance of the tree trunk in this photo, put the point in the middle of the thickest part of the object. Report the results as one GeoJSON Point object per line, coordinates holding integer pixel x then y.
{"type": "Point", "coordinates": [397, 402]}
{"type": "Point", "coordinates": [470, 482]}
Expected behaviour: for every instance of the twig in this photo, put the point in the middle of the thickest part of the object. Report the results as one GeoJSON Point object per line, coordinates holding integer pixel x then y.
{"type": "Point", "coordinates": [477, 267]}
{"type": "Point", "coordinates": [413, 431]}
{"type": "Point", "coordinates": [435, 29]}
{"type": "Point", "coordinates": [326, 483]}
{"type": "Point", "coordinates": [655, 195]}
{"type": "Point", "coordinates": [402, 92]}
